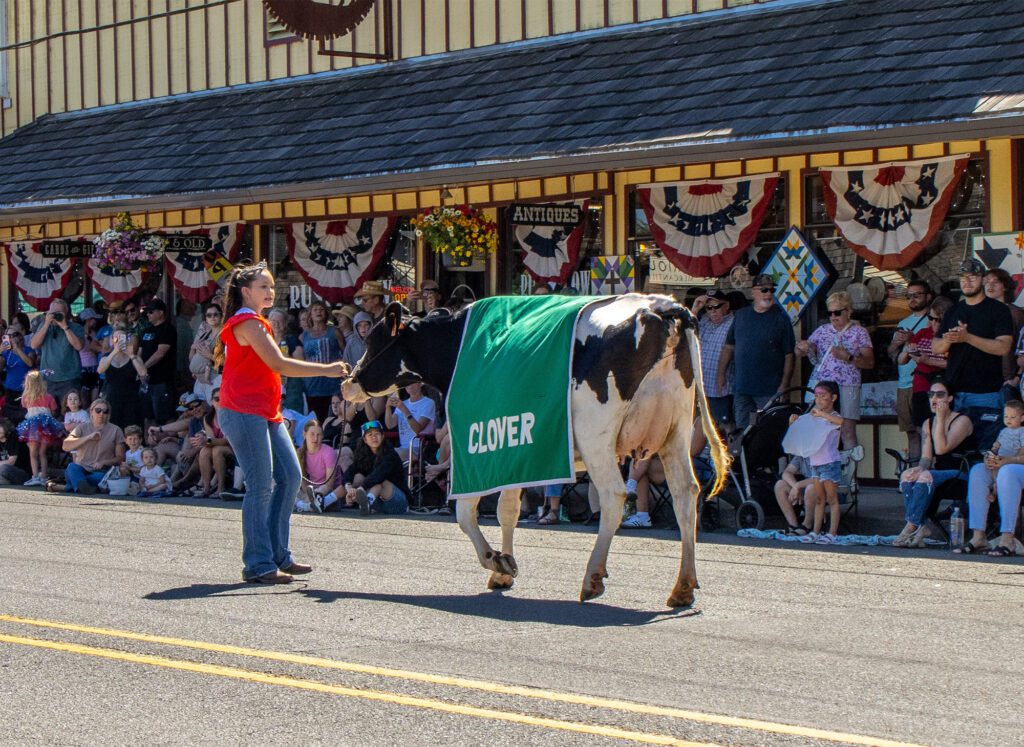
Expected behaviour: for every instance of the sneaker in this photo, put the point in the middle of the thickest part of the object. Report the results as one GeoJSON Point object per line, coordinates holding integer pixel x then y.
{"type": "Point", "coordinates": [826, 539]}
{"type": "Point", "coordinates": [303, 507]}
{"type": "Point", "coordinates": [33, 482]}
{"type": "Point", "coordinates": [232, 495]}
{"type": "Point", "coordinates": [317, 503]}
{"type": "Point", "coordinates": [857, 453]}
{"type": "Point", "coordinates": [364, 503]}
{"type": "Point", "coordinates": [636, 521]}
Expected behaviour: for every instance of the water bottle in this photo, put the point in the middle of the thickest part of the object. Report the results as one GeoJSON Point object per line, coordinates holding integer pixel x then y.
{"type": "Point", "coordinates": [956, 528]}
{"type": "Point", "coordinates": [144, 385]}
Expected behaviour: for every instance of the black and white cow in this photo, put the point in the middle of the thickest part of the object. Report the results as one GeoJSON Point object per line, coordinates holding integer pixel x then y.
{"type": "Point", "coordinates": [636, 376]}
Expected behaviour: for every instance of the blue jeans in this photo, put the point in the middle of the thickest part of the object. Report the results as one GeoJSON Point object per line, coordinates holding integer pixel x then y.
{"type": "Point", "coordinates": [917, 496]}
{"type": "Point", "coordinates": [265, 453]}
{"type": "Point", "coordinates": [991, 400]}
{"type": "Point", "coordinates": [398, 503]}
{"type": "Point", "coordinates": [76, 474]}
{"type": "Point", "coordinates": [746, 405]}
{"type": "Point", "coordinates": [721, 409]}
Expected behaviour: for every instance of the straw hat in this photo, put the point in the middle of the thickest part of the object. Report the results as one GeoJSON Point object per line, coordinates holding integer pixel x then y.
{"type": "Point", "coordinates": [348, 310]}
{"type": "Point", "coordinates": [372, 288]}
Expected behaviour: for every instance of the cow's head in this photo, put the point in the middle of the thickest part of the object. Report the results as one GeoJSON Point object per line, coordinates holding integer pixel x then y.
{"type": "Point", "coordinates": [387, 363]}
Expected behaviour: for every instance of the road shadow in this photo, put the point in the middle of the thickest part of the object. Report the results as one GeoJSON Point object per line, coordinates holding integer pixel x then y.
{"type": "Point", "coordinates": [507, 608]}
{"type": "Point", "coordinates": [208, 591]}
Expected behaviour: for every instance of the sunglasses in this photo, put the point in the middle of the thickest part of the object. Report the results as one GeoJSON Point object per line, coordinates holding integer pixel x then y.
{"type": "Point", "coordinates": [934, 318]}
{"type": "Point", "coordinates": [716, 307]}
{"type": "Point", "coordinates": [766, 289]}
{"type": "Point", "coordinates": [101, 411]}
{"type": "Point", "coordinates": [372, 425]}
{"type": "Point", "coordinates": [430, 290]}
{"type": "Point", "coordinates": [837, 312]}
{"type": "Point", "coordinates": [938, 395]}
{"type": "Point", "coordinates": [193, 406]}
{"type": "Point", "coordinates": [213, 315]}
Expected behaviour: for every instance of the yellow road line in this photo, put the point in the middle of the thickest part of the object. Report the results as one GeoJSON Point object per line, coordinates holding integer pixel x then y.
{"type": "Point", "coordinates": [323, 687]}
{"type": "Point", "coordinates": [471, 684]}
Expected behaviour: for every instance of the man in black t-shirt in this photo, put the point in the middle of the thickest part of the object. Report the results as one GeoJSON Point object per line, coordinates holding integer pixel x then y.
{"type": "Point", "coordinates": [158, 348]}
{"type": "Point", "coordinates": [976, 333]}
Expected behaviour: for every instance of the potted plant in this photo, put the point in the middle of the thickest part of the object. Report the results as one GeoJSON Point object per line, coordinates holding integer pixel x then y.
{"type": "Point", "coordinates": [460, 234]}
{"type": "Point", "coordinates": [126, 248]}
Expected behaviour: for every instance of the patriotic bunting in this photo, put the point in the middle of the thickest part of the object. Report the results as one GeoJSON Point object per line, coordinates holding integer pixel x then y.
{"type": "Point", "coordinates": [41, 280]}
{"type": "Point", "coordinates": [551, 253]}
{"type": "Point", "coordinates": [704, 228]}
{"type": "Point", "coordinates": [337, 257]}
{"type": "Point", "coordinates": [889, 213]}
{"type": "Point", "coordinates": [187, 270]}
{"type": "Point", "coordinates": [112, 284]}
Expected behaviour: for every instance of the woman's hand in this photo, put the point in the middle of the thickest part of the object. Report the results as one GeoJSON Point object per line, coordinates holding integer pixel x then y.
{"type": "Point", "coordinates": [911, 475]}
{"type": "Point", "coordinates": [994, 461]}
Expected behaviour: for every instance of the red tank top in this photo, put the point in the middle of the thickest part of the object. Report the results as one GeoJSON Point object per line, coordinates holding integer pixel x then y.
{"type": "Point", "coordinates": [247, 384]}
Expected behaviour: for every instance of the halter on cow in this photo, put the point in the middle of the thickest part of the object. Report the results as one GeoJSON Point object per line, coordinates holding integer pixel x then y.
{"type": "Point", "coordinates": [636, 378]}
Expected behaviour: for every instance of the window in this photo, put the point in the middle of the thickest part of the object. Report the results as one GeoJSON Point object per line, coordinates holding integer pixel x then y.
{"type": "Point", "coordinates": [520, 282]}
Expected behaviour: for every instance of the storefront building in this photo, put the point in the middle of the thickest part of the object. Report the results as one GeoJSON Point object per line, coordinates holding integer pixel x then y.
{"type": "Point", "coordinates": [617, 145]}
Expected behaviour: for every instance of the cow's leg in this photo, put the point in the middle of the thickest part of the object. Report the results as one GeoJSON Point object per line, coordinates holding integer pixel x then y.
{"type": "Point", "coordinates": [611, 489]}
{"type": "Point", "coordinates": [684, 488]}
{"type": "Point", "coordinates": [508, 517]}
{"type": "Point", "coordinates": [465, 512]}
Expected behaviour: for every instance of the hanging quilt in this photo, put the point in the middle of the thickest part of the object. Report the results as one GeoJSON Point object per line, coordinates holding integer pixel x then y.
{"type": "Point", "coordinates": [704, 227]}
{"type": "Point", "coordinates": [551, 252]}
{"type": "Point", "coordinates": [40, 279]}
{"type": "Point", "coordinates": [798, 273]}
{"type": "Point", "coordinates": [611, 276]}
{"type": "Point", "coordinates": [187, 270]}
{"type": "Point", "coordinates": [337, 257]}
{"type": "Point", "coordinates": [889, 213]}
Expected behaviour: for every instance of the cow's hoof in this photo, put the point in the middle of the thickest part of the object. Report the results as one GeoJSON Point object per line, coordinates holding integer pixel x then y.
{"type": "Point", "coordinates": [503, 564]}
{"type": "Point", "coordinates": [681, 598]}
{"type": "Point", "coordinates": [500, 581]}
{"type": "Point", "coordinates": [595, 589]}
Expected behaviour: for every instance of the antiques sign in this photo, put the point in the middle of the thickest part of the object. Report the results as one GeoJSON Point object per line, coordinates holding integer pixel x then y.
{"type": "Point", "coordinates": [567, 214]}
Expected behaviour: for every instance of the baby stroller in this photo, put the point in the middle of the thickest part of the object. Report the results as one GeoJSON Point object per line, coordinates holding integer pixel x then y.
{"type": "Point", "coordinates": [757, 461]}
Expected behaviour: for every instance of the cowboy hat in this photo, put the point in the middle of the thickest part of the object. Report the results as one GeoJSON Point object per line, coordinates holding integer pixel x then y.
{"type": "Point", "coordinates": [372, 288]}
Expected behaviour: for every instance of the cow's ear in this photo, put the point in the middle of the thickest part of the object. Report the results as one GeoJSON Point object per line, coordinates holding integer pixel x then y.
{"type": "Point", "coordinates": [393, 318]}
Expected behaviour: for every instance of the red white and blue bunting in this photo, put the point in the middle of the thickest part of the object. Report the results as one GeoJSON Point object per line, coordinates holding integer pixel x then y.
{"type": "Point", "coordinates": [337, 257]}
{"type": "Point", "coordinates": [889, 213]}
{"type": "Point", "coordinates": [187, 270]}
{"type": "Point", "coordinates": [705, 227]}
{"type": "Point", "coordinates": [551, 253]}
{"type": "Point", "coordinates": [40, 279]}
{"type": "Point", "coordinates": [111, 284]}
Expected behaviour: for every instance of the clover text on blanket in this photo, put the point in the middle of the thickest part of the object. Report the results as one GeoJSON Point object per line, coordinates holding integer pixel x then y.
{"type": "Point", "coordinates": [497, 433]}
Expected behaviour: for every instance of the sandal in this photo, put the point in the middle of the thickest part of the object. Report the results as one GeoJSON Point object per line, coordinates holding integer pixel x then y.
{"type": "Point", "coordinates": [1002, 551]}
{"type": "Point", "coordinates": [197, 492]}
{"type": "Point", "coordinates": [796, 530]}
{"type": "Point", "coordinates": [55, 487]}
{"type": "Point", "coordinates": [968, 549]}
{"type": "Point", "coordinates": [549, 519]}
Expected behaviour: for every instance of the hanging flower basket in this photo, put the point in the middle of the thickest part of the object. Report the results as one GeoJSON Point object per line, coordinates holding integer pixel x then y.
{"type": "Point", "coordinates": [125, 248]}
{"type": "Point", "coordinates": [461, 235]}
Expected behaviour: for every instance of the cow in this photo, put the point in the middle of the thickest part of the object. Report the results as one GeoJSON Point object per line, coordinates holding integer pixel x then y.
{"type": "Point", "coordinates": [636, 377]}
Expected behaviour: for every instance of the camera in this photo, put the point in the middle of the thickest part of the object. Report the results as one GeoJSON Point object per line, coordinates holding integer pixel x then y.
{"type": "Point", "coordinates": [58, 316]}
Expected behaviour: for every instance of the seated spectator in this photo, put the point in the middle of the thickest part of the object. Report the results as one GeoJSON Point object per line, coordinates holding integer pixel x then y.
{"type": "Point", "coordinates": [826, 463]}
{"type": "Point", "coordinates": [439, 472]}
{"type": "Point", "coordinates": [941, 434]}
{"type": "Point", "coordinates": [1003, 468]}
{"type": "Point", "coordinates": [335, 427]}
{"type": "Point", "coordinates": [795, 488]}
{"type": "Point", "coordinates": [16, 360]}
{"type": "Point", "coordinates": [376, 479]}
{"type": "Point", "coordinates": [638, 485]}
{"type": "Point", "coordinates": [153, 481]}
{"type": "Point", "coordinates": [133, 451]}
{"type": "Point", "coordinates": [123, 372]}
{"type": "Point", "coordinates": [73, 412]}
{"type": "Point", "coordinates": [39, 429]}
{"type": "Point", "coordinates": [320, 470]}
{"type": "Point", "coordinates": [14, 463]}
{"type": "Point", "coordinates": [96, 446]}
{"type": "Point", "coordinates": [414, 417]}
{"type": "Point", "coordinates": [553, 504]}
{"type": "Point", "coordinates": [181, 440]}
{"type": "Point", "coordinates": [214, 452]}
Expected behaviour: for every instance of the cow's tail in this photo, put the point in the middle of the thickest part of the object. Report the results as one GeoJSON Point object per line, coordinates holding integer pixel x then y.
{"type": "Point", "coordinates": [719, 452]}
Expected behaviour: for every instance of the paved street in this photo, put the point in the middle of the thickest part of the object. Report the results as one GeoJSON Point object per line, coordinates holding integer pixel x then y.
{"type": "Point", "coordinates": [123, 622]}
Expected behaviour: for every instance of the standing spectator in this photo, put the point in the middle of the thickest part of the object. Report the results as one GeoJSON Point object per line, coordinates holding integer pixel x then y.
{"type": "Point", "coordinates": [186, 324]}
{"type": "Point", "coordinates": [123, 372]}
{"type": "Point", "coordinates": [413, 417]}
{"type": "Point", "coordinates": [713, 330]}
{"type": "Point", "coordinates": [14, 461]}
{"type": "Point", "coordinates": [158, 349]}
{"type": "Point", "coordinates": [136, 324]}
{"type": "Point", "coordinates": [839, 350]}
{"type": "Point", "coordinates": [115, 320]}
{"type": "Point", "coordinates": [428, 297]}
{"type": "Point", "coordinates": [96, 446]}
{"type": "Point", "coordinates": [39, 429]}
{"type": "Point", "coordinates": [343, 316]}
{"type": "Point", "coordinates": [89, 354]}
{"type": "Point", "coordinates": [286, 335]}
{"type": "Point", "coordinates": [58, 341]}
{"type": "Point", "coordinates": [355, 343]}
{"type": "Point", "coordinates": [16, 360]}
{"type": "Point", "coordinates": [371, 297]}
{"type": "Point", "coordinates": [200, 358]}
{"type": "Point", "coordinates": [976, 333]}
{"type": "Point", "coordinates": [320, 345]}
{"type": "Point", "coordinates": [761, 341]}
{"type": "Point", "coordinates": [1000, 286]}
{"type": "Point", "coordinates": [919, 299]}
{"type": "Point", "coordinates": [929, 363]}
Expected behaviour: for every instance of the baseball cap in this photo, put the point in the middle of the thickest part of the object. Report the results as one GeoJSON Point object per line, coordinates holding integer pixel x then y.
{"type": "Point", "coordinates": [88, 314]}
{"type": "Point", "coordinates": [187, 399]}
{"type": "Point", "coordinates": [972, 266]}
{"type": "Point", "coordinates": [716, 294]}
{"type": "Point", "coordinates": [156, 304]}
{"type": "Point", "coordinates": [762, 280]}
